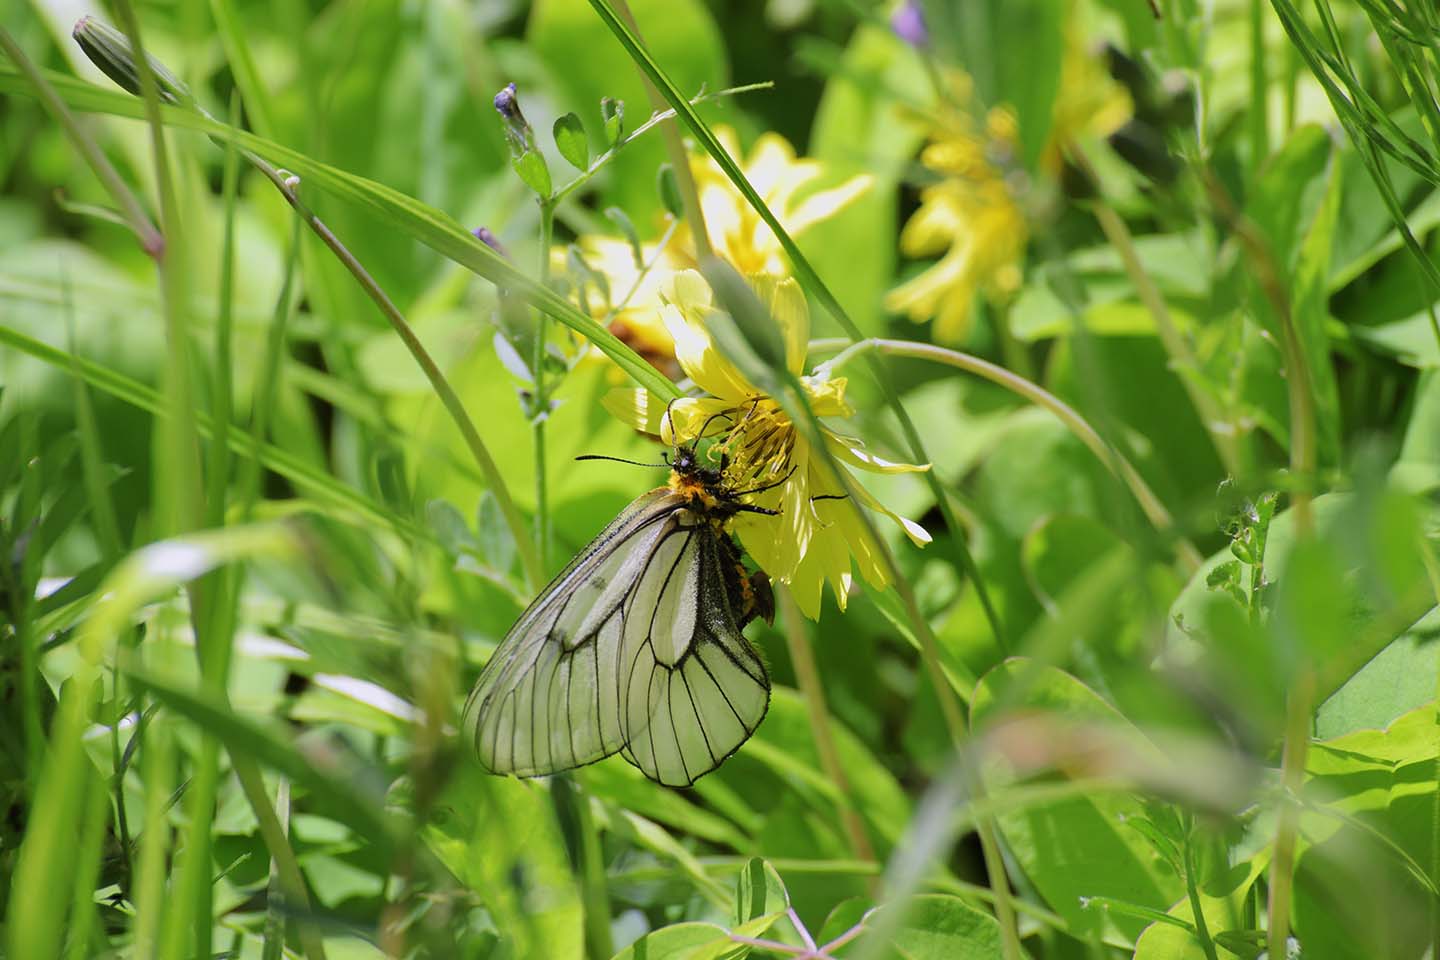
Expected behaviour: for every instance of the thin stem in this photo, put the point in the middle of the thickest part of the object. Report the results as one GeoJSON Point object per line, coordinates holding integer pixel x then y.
{"type": "Point", "coordinates": [1220, 427]}
{"type": "Point", "coordinates": [540, 408]}
{"type": "Point", "coordinates": [807, 674]}
{"type": "Point", "coordinates": [1111, 458]}
{"type": "Point", "coordinates": [1192, 890]}
{"type": "Point", "coordinates": [524, 543]}
{"type": "Point", "coordinates": [656, 118]}
{"type": "Point", "coordinates": [1298, 378]}
{"type": "Point", "coordinates": [1292, 778]}
{"type": "Point", "coordinates": [135, 215]}
{"type": "Point", "coordinates": [793, 398]}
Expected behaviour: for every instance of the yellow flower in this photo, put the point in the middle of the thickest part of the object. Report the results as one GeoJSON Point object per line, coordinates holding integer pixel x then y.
{"type": "Point", "coordinates": [633, 306]}
{"type": "Point", "coordinates": [970, 216]}
{"type": "Point", "coordinates": [818, 535]}
{"type": "Point", "coordinates": [736, 231]}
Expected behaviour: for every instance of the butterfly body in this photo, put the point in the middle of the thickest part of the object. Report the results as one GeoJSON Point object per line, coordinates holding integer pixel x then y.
{"type": "Point", "coordinates": [635, 647]}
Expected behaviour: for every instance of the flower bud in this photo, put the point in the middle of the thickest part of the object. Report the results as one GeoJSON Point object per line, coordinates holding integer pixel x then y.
{"type": "Point", "coordinates": [110, 50]}
{"type": "Point", "coordinates": [517, 128]}
{"type": "Point", "coordinates": [485, 236]}
{"type": "Point", "coordinates": [908, 23]}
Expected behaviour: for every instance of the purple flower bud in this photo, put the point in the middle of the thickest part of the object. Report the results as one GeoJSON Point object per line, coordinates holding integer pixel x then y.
{"type": "Point", "coordinates": [485, 236]}
{"type": "Point", "coordinates": [908, 23]}
{"type": "Point", "coordinates": [508, 105]}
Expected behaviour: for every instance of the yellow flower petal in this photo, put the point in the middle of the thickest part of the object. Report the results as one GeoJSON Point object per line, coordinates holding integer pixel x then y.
{"type": "Point", "coordinates": [685, 319]}
{"type": "Point", "coordinates": [635, 408]}
{"type": "Point", "coordinates": [852, 451]}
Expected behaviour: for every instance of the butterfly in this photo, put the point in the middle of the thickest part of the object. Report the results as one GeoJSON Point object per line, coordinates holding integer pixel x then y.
{"type": "Point", "coordinates": [636, 646]}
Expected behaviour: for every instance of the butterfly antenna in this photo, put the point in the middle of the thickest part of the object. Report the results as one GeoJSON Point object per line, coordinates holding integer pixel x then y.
{"type": "Point", "coordinates": [633, 463]}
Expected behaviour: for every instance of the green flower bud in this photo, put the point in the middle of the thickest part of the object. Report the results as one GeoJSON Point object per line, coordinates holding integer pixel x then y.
{"type": "Point", "coordinates": [110, 50]}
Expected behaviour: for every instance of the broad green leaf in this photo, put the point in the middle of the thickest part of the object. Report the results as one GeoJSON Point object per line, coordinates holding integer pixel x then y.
{"type": "Point", "coordinates": [1076, 848]}
{"type": "Point", "coordinates": [1378, 857]}
{"type": "Point", "coordinates": [1418, 466]}
{"type": "Point", "coordinates": [680, 941]}
{"type": "Point", "coordinates": [1381, 573]}
{"type": "Point", "coordinates": [1028, 54]}
{"type": "Point", "coordinates": [873, 790]}
{"type": "Point", "coordinates": [531, 168]}
{"type": "Point", "coordinates": [931, 927]}
{"type": "Point", "coordinates": [1222, 900]}
{"type": "Point", "coordinates": [1400, 678]}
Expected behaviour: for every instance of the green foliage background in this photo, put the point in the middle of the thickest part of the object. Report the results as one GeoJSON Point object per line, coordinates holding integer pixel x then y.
{"type": "Point", "coordinates": [230, 671]}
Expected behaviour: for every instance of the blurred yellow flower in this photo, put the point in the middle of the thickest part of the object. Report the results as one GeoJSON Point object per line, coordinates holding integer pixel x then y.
{"type": "Point", "coordinates": [970, 216]}
{"type": "Point", "coordinates": [737, 234]}
{"type": "Point", "coordinates": [736, 231]}
{"type": "Point", "coordinates": [818, 535]}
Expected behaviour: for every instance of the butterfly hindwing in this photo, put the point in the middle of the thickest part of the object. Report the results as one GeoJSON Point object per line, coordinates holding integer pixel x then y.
{"type": "Point", "coordinates": [692, 704]}
{"type": "Point", "coordinates": [636, 646]}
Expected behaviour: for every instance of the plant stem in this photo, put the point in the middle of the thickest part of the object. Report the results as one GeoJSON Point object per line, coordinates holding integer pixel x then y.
{"type": "Point", "coordinates": [1111, 458]}
{"type": "Point", "coordinates": [1218, 425]}
{"type": "Point", "coordinates": [807, 674]}
{"type": "Point", "coordinates": [656, 118]}
{"type": "Point", "coordinates": [540, 410]}
{"type": "Point", "coordinates": [1192, 890]}
{"type": "Point", "coordinates": [524, 542]}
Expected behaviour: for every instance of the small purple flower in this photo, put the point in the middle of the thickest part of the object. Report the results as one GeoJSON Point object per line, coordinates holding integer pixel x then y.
{"type": "Point", "coordinates": [908, 23]}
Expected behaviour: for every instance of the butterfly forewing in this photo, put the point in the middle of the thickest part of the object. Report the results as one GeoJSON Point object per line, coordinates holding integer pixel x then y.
{"type": "Point", "coordinates": [633, 647]}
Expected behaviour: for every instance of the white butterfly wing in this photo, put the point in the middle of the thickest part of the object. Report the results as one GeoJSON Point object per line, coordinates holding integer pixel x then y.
{"type": "Point", "coordinates": [633, 647]}
{"type": "Point", "coordinates": [695, 688]}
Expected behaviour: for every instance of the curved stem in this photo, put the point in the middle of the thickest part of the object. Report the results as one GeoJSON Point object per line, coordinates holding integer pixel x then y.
{"type": "Point", "coordinates": [1112, 459]}
{"type": "Point", "coordinates": [1220, 428]}
{"type": "Point", "coordinates": [656, 118]}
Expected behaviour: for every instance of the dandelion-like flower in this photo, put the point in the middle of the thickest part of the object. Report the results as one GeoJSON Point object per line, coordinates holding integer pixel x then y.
{"type": "Point", "coordinates": [970, 216]}
{"type": "Point", "coordinates": [784, 181]}
{"type": "Point", "coordinates": [817, 536]}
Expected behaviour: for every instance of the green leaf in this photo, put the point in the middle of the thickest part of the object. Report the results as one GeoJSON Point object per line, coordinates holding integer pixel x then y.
{"type": "Point", "coordinates": [1356, 868]}
{"type": "Point", "coordinates": [680, 941]}
{"type": "Point", "coordinates": [861, 128]}
{"type": "Point", "coordinates": [612, 112]}
{"type": "Point", "coordinates": [570, 141]}
{"type": "Point", "coordinates": [1077, 848]}
{"type": "Point", "coordinates": [534, 171]}
{"type": "Point", "coordinates": [1030, 48]}
{"type": "Point", "coordinates": [931, 927]}
{"type": "Point", "coordinates": [1222, 901]}
{"type": "Point", "coordinates": [759, 892]}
